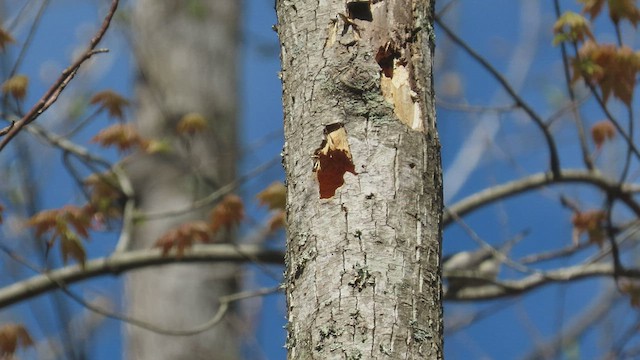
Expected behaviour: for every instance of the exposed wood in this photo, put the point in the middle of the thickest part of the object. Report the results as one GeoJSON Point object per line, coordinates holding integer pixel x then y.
{"type": "Point", "coordinates": [363, 278]}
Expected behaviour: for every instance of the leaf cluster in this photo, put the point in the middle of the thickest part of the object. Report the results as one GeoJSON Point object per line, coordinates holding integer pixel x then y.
{"type": "Point", "coordinates": [592, 223]}
{"type": "Point", "coordinates": [121, 136]}
{"type": "Point", "coordinates": [12, 338]}
{"type": "Point", "coordinates": [613, 68]}
{"type": "Point", "coordinates": [274, 197]}
{"type": "Point", "coordinates": [224, 217]}
{"type": "Point", "coordinates": [68, 226]}
{"type": "Point", "coordinates": [105, 198]}
{"type": "Point", "coordinates": [111, 101]}
{"type": "Point", "coordinates": [191, 124]}
{"type": "Point", "coordinates": [16, 86]}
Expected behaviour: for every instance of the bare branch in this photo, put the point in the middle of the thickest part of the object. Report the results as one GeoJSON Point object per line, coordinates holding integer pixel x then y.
{"type": "Point", "coordinates": [554, 254]}
{"type": "Point", "coordinates": [123, 262]}
{"type": "Point", "coordinates": [67, 75]}
{"type": "Point", "coordinates": [224, 302]}
{"type": "Point", "coordinates": [6, 129]}
{"type": "Point", "coordinates": [500, 289]}
{"type": "Point", "coordinates": [66, 145]}
{"type": "Point", "coordinates": [493, 194]}
{"type": "Point", "coordinates": [553, 152]}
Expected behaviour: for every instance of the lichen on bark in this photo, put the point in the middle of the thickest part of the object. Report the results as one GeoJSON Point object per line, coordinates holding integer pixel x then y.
{"type": "Point", "coordinates": [362, 274]}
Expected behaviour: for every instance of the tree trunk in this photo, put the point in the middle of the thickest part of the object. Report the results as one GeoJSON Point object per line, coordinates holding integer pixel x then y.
{"type": "Point", "coordinates": [362, 161]}
{"type": "Point", "coordinates": [187, 56]}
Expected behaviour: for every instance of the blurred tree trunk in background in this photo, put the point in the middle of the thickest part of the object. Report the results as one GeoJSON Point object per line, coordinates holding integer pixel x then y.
{"type": "Point", "coordinates": [187, 53]}
{"type": "Point", "coordinates": [362, 158]}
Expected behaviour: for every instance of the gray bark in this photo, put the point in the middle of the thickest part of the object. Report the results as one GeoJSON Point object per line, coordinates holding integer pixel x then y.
{"type": "Point", "coordinates": [187, 56]}
{"type": "Point", "coordinates": [363, 257]}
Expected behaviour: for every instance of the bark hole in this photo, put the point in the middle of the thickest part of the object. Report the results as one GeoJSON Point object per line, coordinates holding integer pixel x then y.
{"type": "Point", "coordinates": [385, 57]}
{"type": "Point", "coordinates": [360, 9]}
{"type": "Point", "coordinates": [396, 86]}
{"type": "Point", "coordinates": [332, 160]}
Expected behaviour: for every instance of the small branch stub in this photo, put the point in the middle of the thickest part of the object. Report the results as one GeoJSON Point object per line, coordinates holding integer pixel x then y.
{"type": "Point", "coordinates": [332, 160]}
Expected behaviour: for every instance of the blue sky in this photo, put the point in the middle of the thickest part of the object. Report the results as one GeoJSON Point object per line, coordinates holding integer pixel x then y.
{"type": "Point", "coordinates": [492, 27]}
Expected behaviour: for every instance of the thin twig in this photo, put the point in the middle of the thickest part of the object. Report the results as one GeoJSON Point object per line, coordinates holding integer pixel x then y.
{"type": "Point", "coordinates": [446, 8]}
{"type": "Point", "coordinates": [67, 145]}
{"type": "Point", "coordinates": [75, 174]}
{"type": "Point", "coordinates": [224, 302]}
{"type": "Point", "coordinates": [502, 257]}
{"type": "Point", "coordinates": [29, 38]}
{"type": "Point", "coordinates": [532, 182]}
{"type": "Point", "coordinates": [627, 162]}
{"type": "Point", "coordinates": [61, 83]}
{"type": "Point", "coordinates": [6, 129]}
{"type": "Point", "coordinates": [18, 18]}
{"type": "Point", "coordinates": [553, 152]}
{"type": "Point", "coordinates": [578, 326]}
{"type": "Point", "coordinates": [499, 289]}
{"type": "Point", "coordinates": [626, 337]}
{"type": "Point", "coordinates": [586, 157]}
{"type": "Point", "coordinates": [212, 197]}
{"type": "Point", "coordinates": [462, 322]}
{"type": "Point", "coordinates": [475, 108]}
{"type": "Point", "coordinates": [124, 241]}
{"type": "Point", "coordinates": [611, 238]}
{"type": "Point", "coordinates": [554, 254]}
{"type": "Point", "coordinates": [82, 123]}
{"type": "Point", "coordinates": [624, 233]}
{"type": "Point", "coordinates": [613, 120]}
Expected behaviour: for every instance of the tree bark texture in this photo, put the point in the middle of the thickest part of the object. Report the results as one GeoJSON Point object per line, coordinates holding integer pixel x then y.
{"type": "Point", "coordinates": [187, 54]}
{"type": "Point", "coordinates": [362, 160]}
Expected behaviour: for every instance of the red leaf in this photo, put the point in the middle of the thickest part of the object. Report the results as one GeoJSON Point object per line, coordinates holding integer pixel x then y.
{"type": "Point", "coordinates": [590, 222]}
{"type": "Point", "coordinates": [67, 224]}
{"type": "Point", "coordinates": [5, 38]}
{"type": "Point", "coordinates": [183, 237]}
{"type": "Point", "coordinates": [226, 214]}
{"type": "Point", "coordinates": [277, 221]}
{"type": "Point", "coordinates": [602, 131]}
{"type": "Point", "coordinates": [16, 86]}
{"type": "Point", "coordinates": [274, 196]}
{"type": "Point", "coordinates": [112, 101]}
{"type": "Point", "coordinates": [12, 337]}
{"type": "Point", "coordinates": [122, 136]}
{"type": "Point", "coordinates": [191, 124]}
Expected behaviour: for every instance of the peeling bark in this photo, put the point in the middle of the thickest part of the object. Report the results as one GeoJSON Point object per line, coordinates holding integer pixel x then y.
{"type": "Point", "coordinates": [363, 278]}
